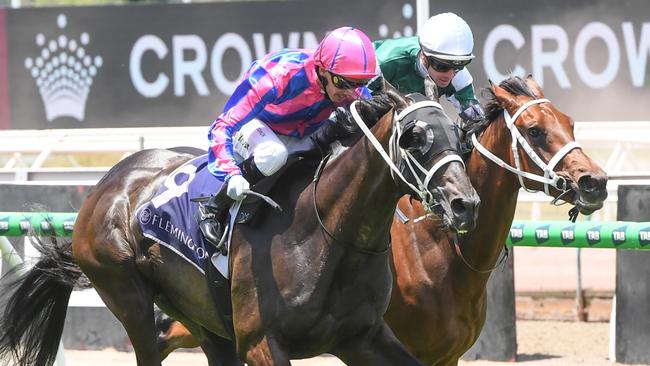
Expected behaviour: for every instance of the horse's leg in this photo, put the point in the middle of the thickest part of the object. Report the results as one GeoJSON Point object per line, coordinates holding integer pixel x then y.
{"type": "Point", "coordinates": [378, 347]}
{"type": "Point", "coordinates": [219, 351]}
{"type": "Point", "coordinates": [267, 352]}
{"type": "Point", "coordinates": [125, 292]}
{"type": "Point", "coordinates": [130, 299]}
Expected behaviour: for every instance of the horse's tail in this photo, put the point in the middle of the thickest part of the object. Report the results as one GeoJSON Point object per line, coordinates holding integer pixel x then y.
{"type": "Point", "coordinates": [36, 302]}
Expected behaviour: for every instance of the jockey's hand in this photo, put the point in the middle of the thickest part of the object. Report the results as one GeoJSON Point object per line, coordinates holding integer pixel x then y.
{"type": "Point", "coordinates": [236, 186]}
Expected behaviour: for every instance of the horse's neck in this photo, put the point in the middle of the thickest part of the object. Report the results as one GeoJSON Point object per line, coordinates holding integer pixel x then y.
{"type": "Point", "coordinates": [498, 190]}
{"type": "Point", "coordinates": [362, 207]}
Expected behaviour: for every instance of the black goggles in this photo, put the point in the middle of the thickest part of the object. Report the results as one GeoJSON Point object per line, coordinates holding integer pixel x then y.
{"type": "Point", "coordinates": [446, 65]}
{"type": "Point", "coordinates": [342, 83]}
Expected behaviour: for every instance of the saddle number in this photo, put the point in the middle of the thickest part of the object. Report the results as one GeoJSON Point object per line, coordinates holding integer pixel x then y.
{"type": "Point", "coordinates": [175, 190]}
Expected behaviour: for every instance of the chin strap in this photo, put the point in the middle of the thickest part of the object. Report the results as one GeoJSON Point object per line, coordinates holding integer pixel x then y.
{"type": "Point", "coordinates": [324, 82]}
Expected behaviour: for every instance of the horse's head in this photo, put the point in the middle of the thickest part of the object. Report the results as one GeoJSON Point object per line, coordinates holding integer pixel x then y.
{"type": "Point", "coordinates": [425, 147]}
{"type": "Point", "coordinates": [546, 153]}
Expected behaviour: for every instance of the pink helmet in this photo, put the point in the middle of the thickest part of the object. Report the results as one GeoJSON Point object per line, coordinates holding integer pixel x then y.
{"type": "Point", "coordinates": [348, 52]}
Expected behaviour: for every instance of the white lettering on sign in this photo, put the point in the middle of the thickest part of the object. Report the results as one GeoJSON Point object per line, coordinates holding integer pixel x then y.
{"type": "Point", "coordinates": [591, 31]}
{"type": "Point", "coordinates": [190, 60]}
{"type": "Point", "coordinates": [568, 235]}
{"type": "Point", "coordinates": [146, 43]}
{"type": "Point", "coordinates": [618, 235]}
{"type": "Point", "coordinates": [541, 233]}
{"type": "Point", "coordinates": [552, 60]}
{"type": "Point", "coordinates": [553, 63]}
{"type": "Point", "coordinates": [516, 233]}
{"type": "Point", "coordinates": [593, 235]}
{"type": "Point", "coordinates": [191, 68]}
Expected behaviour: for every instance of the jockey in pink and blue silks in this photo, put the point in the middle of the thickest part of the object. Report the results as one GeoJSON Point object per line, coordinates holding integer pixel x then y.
{"type": "Point", "coordinates": [283, 104]}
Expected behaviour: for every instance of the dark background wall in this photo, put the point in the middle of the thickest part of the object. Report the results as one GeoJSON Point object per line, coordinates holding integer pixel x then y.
{"type": "Point", "coordinates": [150, 69]}
{"type": "Point", "coordinates": [591, 57]}
{"type": "Point", "coordinates": [162, 65]}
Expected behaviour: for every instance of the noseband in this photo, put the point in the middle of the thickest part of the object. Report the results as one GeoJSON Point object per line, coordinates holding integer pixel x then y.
{"type": "Point", "coordinates": [550, 178]}
{"type": "Point", "coordinates": [427, 198]}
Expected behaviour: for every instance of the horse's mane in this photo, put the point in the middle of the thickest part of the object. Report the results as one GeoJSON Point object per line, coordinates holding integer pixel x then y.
{"type": "Point", "coordinates": [371, 110]}
{"type": "Point", "coordinates": [513, 85]}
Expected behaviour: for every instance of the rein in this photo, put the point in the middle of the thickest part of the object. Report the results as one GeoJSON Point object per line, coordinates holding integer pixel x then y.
{"type": "Point", "coordinates": [550, 178]}
{"type": "Point", "coordinates": [427, 198]}
{"type": "Point", "coordinates": [453, 238]}
{"type": "Point", "coordinates": [346, 244]}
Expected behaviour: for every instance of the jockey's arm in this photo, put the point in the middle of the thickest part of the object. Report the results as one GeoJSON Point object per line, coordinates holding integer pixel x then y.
{"type": "Point", "coordinates": [245, 103]}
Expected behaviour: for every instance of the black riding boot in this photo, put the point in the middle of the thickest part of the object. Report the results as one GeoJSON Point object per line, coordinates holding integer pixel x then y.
{"type": "Point", "coordinates": [212, 215]}
{"type": "Point", "coordinates": [214, 212]}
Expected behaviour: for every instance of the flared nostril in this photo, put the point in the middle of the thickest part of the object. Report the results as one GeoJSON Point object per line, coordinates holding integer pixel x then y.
{"type": "Point", "coordinates": [459, 206]}
{"type": "Point", "coordinates": [591, 184]}
{"type": "Point", "coordinates": [463, 206]}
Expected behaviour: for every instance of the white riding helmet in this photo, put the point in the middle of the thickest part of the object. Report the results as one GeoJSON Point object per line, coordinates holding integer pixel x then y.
{"type": "Point", "coordinates": [447, 37]}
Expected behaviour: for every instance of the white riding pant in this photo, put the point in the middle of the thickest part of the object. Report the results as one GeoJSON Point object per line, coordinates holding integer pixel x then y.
{"type": "Point", "coordinates": [269, 151]}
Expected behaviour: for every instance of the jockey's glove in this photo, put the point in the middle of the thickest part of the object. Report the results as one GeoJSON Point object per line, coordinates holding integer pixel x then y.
{"type": "Point", "coordinates": [473, 113]}
{"type": "Point", "coordinates": [236, 186]}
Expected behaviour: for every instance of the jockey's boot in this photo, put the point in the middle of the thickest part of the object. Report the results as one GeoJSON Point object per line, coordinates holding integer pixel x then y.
{"type": "Point", "coordinates": [212, 216]}
{"type": "Point", "coordinates": [214, 212]}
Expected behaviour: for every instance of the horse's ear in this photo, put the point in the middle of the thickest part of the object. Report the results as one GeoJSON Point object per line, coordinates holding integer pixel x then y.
{"type": "Point", "coordinates": [506, 100]}
{"type": "Point", "coordinates": [532, 84]}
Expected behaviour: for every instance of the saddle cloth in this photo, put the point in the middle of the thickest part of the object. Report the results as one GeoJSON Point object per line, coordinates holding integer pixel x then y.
{"type": "Point", "coordinates": [170, 218]}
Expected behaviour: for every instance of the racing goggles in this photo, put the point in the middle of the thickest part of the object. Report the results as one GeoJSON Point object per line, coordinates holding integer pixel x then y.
{"type": "Point", "coordinates": [440, 65]}
{"type": "Point", "coordinates": [342, 83]}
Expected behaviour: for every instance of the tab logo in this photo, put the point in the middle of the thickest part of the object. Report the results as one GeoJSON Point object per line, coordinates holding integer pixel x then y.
{"type": "Point", "coordinates": [593, 235]}
{"type": "Point", "coordinates": [618, 235]}
{"type": "Point", "coordinates": [4, 225]}
{"type": "Point", "coordinates": [541, 234]}
{"type": "Point", "coordinates": [517, 233]}
{"type": "Point", "coordinates": [644, 236]}
{"type": "Point", "coordinates": [568, 234]}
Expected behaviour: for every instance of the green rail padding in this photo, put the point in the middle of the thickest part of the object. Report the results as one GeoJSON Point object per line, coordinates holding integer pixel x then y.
{"type": "Point", "coordinates": [37, 223]}
{"type": "Point", "coordinates": [582, 234]}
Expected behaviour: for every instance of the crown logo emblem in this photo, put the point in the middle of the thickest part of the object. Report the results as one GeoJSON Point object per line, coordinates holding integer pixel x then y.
{"type": "Point", "coordinates": [63, 73]}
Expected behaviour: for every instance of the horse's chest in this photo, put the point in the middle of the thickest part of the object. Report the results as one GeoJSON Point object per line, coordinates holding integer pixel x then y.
{"type": "Point", "coordinates": [342, 308]}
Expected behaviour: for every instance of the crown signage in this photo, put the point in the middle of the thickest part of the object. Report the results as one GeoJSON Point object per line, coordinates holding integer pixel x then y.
{"type": "Point", "coordinates": [63, 71]}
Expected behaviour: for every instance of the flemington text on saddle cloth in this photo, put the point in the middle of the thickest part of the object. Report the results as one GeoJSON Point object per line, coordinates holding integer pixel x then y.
{"type": "Point", "coordinates": [170, 217]}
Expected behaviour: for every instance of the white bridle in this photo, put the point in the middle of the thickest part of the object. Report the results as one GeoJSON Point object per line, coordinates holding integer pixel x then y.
{"type": "Point", "coordinates": [550, 178]}
{"type": "Point", "coordinates": [422, 190]}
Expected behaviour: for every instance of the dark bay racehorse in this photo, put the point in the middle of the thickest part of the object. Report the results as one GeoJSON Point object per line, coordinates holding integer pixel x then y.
{"type": "Point", "coordinates": [438, 304]}
{"type": "Point", "coordinates": [302, 283]}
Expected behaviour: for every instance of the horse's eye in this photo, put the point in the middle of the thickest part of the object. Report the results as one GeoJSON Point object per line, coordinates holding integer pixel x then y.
{"type": "Point", "coordinates": [534, 132]}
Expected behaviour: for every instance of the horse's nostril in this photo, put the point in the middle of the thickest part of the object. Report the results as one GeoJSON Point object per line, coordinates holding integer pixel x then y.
{"type": "Point", "coordinates": [459, 205]}
{"type": "Point", "coordinates": [588, 183]}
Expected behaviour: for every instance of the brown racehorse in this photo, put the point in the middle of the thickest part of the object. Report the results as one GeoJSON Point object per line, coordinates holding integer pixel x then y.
{"type": "Point", "coordinates": [313, 279]}
{"type": "Point", "coordinates": [438, 304]}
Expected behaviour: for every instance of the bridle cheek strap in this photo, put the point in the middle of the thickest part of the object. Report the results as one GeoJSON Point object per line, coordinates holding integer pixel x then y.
{"type": "Point", "coordinates": [550, 178]}
{"type": "Point", "coordinates": [422, 191]}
